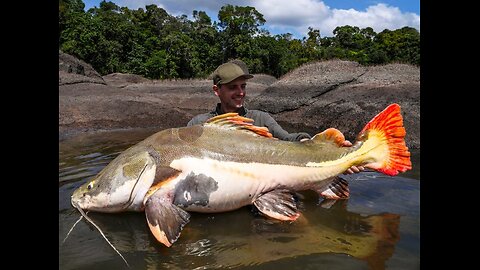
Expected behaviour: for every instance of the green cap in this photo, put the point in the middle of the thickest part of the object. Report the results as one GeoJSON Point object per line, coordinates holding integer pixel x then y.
{"type": "Point", "coordinates": [229, 71]}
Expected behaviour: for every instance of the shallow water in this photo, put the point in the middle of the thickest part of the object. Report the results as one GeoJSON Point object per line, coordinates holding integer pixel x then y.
{"type": "Point", "coordinates": [378, 227]}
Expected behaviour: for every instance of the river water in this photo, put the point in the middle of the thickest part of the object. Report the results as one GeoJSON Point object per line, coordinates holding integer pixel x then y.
{"type": "Point", "coordinates": [378, 227]}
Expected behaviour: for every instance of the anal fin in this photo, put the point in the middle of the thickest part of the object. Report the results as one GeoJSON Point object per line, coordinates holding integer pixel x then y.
{"type": "Point", "coordinates": [337, 189]}
{"type": "Point", "coordinates": [327, 203]}
{"type": "Point", "coordinates": [278, 204]}
{"type": "Point", "coordinates": [165, 219]}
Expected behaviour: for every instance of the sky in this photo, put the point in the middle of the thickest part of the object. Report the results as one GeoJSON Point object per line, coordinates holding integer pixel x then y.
{"type": "Point", "coordinates": [296, 16]}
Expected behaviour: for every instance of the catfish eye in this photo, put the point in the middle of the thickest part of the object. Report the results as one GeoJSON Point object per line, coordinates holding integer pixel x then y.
{"type": "Point", "coordinates": [90, 186]}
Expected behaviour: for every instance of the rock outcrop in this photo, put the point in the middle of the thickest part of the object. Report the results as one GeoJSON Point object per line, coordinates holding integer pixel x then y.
{"type": "Point", "coordinates": [344, 95]}
{"type": "Point", "coordinates": [72, 70]}
{"type": "Point", "coordinates": [316, 96]}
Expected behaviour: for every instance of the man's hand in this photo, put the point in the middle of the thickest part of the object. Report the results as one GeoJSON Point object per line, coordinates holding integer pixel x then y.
{"type": "Point", "coordinates": [353, 169]}
{"type": "Point", "coordinates": [303, 136]}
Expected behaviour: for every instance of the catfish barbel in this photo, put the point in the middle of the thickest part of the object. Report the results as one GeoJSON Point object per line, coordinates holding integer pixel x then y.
{"type": "Point", "coordinates": [228, 163]}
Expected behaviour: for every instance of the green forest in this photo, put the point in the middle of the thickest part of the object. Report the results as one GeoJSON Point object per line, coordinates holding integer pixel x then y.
{"type": "Point", "coordinates": [152, 43]}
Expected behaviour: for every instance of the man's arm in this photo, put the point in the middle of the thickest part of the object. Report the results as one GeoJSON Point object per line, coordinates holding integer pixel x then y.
{"type": "Point", "coordinates": [266, 120]}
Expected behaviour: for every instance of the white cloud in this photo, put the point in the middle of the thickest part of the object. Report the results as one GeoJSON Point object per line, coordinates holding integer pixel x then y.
{"type": "Point", "coordinates": [291, 13]}
{"type": "Point", "coordinates": [379, 17]}
{"type": "Point", "coordinates": [295, 16]}
{"type": "Point", "coordinates": [301, 14]}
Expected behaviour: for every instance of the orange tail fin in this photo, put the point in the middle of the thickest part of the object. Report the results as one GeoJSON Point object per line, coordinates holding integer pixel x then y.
{"type": "Point", "coordinates": [387, 126]}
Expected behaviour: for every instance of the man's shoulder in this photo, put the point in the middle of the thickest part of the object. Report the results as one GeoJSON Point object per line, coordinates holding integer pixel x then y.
{"type": "Point", "coordinates": [203, 115]}
{"type": "Point", "coordinates": [257, 114]}
{"type": "Point", "coordinates": [200, 119]}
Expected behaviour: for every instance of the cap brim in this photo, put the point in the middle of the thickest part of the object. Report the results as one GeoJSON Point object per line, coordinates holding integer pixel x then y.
{"type": "Point", "coordinates": [246, 76]}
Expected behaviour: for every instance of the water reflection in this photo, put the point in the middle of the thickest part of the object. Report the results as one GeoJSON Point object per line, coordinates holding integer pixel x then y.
{"type": "Point", "coordinates": [318, 230]}
{"type": "Point", "coordinates": [237, 239]}
{"type": "Point", "coordinates": [377, 228]}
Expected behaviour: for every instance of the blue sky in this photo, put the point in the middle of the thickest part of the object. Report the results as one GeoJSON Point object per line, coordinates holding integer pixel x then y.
{"type": "Point", "coordinates": [295, 16]}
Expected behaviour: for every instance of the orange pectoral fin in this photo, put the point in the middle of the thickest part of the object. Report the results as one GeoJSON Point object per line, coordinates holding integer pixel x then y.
{"type": "Point", "coordinates": [162, 178]}
{"type": "Point", "coordinates": [165, 219]}
{"type": "Point", "coordinates": [159, 234]}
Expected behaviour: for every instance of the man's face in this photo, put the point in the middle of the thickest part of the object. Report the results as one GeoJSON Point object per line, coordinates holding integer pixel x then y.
{"type": "Point", "coordinates": [232, 94]}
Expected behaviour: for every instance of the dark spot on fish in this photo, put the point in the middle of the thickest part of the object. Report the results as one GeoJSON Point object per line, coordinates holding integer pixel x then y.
{"type": "Point", "coordinates": [194, 190]}
{"type": "Point", "coordinates": [190, 134]}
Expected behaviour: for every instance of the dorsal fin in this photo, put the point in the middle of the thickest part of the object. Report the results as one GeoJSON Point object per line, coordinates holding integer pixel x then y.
{"type": "Point", "coordinates": [235, 121]}
{"type": "Point", "coordinates": [332, 134]}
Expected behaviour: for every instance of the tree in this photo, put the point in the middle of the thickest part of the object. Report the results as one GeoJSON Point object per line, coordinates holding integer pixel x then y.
{"type": "Point", "coordinates": [238, 25]}
{"type": "Point", "coordinates": [69, 10]}
{"type": "Point", "coordinates": [178, 47]}
{"type": "Point", "coordinates": [159, 66]}
{"type": "Point", "coordinates": [401, 45]}
{"type": "Point", "coordinates": [152, 43]}
{"type": "Point", "coordinates": [207, 52]}
{"type": "Point", "coordinates": [353, 38]}
{"type": "Point", "coordinates": [312, 44]}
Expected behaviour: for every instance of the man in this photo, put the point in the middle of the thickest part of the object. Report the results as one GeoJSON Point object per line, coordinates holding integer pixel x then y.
{"type": "Point", "coordinates": [229, 84]}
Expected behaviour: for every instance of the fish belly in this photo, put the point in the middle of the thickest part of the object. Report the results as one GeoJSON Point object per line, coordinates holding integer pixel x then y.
{"type": "Point", "coordinates": [208, 185]}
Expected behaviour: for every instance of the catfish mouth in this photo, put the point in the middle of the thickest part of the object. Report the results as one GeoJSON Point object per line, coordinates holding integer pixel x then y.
{"type": "Point", "coordinates": [85, 201]}
{"type": "Point", "coordinates": [125, 196]}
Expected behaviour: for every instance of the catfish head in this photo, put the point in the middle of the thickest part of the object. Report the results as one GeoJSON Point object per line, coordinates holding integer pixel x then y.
{"type": "Point", "coordinates": [120, 186]}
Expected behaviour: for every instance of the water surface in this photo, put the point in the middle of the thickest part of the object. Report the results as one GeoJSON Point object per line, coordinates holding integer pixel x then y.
{"type": "Point", "coordinates": [378, 227]}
